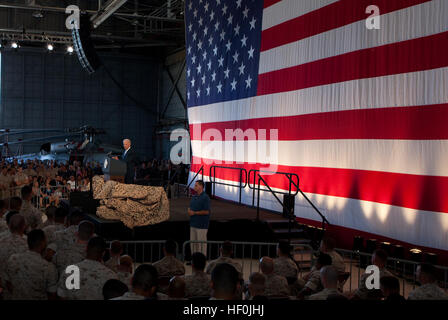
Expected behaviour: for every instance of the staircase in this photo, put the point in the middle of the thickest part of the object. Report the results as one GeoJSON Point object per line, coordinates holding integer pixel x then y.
{"type": "Point", "coordinates": [300, 234]}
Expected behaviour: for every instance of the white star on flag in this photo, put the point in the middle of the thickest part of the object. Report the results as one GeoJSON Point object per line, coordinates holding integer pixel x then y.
{"type": "Point", "coordinates": [233, 84]}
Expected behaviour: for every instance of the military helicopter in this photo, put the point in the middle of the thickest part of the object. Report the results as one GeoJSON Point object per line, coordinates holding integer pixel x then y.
{"type": "Point", "coordinates": [79, 144]}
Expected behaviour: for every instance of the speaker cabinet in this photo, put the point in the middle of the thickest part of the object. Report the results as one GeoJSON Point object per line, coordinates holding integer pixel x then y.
{"type": "Point", "coordinates": [83, 45]}
{"type": "Point", "coordinates": [288, 202]}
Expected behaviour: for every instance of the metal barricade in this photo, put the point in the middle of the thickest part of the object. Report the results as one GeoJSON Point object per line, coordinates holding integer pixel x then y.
{"type": "Point", "coordinates": [145, 251]}
{"type": "Point", "coordinates": [50, 194]}
{"type": "Point", "coordinates": [404, 270]}
{"type": "Point", "coordinates": [248, 254]}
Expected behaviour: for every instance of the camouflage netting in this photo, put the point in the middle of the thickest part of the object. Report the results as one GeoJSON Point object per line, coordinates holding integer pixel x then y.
{"type": "Point", "coordinates": [132, 204]}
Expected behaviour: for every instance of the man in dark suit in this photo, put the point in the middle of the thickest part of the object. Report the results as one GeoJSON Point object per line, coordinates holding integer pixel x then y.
{"type": "Point", "coordinates": [131, 159]}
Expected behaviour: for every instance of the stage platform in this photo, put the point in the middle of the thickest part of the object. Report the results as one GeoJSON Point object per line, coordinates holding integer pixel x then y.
{"type": "Point", "coordinates": [221, 210]}
{"type": "Point", "coordinates": [228, 221]}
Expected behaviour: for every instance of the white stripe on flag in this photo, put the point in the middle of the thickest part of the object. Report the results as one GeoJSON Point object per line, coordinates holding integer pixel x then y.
{"type": "Point", "coordinates": [356, 36]}
{"type": "Point", "coordinates": [428, 156]}
{"type": "Point", "coordinates": [289, 9]}
{"type": "Point", "coordinates": [400, 90]}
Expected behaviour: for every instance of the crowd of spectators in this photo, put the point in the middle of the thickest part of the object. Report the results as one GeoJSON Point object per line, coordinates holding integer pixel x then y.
{"type": "Point", "coordinates": [38, 245]}
{"type": "Point", "coordinates": [35, 261]}
{"type": "Point", "coordinates": [50, 181]}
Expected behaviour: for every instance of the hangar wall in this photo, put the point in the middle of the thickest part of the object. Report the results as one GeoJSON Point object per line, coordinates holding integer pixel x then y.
{"type": "Point", "coordinates": [51, 90]}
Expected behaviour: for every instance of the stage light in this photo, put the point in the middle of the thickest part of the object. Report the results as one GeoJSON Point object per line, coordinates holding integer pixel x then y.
{"type": "Point", "coordinates": [14, 45]}
{"type": "Point", "coordinates": [50, 47]}
{"type": "Point", "coordinates": [70, 49]}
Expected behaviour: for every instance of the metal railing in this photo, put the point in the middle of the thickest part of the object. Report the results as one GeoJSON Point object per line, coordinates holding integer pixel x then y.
{"type": "Point", "coordinates": [291, 182]}
{"type": "Point", "coordinates": [148, 251]}
{"type": "Point", "coordinates": [201, 170]}
{"type": "Point", "coordinates": [404, 270]}
{"type": "Point", "coordinates": [240, 186]}
{"type": "Point", "coordinates": [248, 254]}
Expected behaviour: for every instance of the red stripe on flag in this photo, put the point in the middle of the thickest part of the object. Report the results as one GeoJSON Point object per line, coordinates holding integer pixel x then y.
{"type": "Point", "coordinates": [268, 3]}
{"type": "Point", "coordinates": [401, 57]}
{"type": "Point", "coordinates": [407, 123]}
{"type": "Point", "coordinates": [403, 190]}
{"type": "Point", "coordinates": [330, 17]}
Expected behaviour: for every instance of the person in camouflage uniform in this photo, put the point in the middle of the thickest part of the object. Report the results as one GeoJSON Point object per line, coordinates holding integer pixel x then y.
{"type": "Point", "coordinates": [379, 259]}
{"type": "Point", "coordinates": [284, 265]}
{"type": "Point", "coordinates": [327, 246]}
{"type": "Point", "coordinates": [72, 253]}
{"type": "Point", "coordinates": [198, 283]}
{"type": "Point", "coordinates": [11, 243]}
{"type": "Point", "coordinates": [93, 274]}
{"type": "Point", "coordinates": [68, 235]}
{"type": "Point", "coordinates": [311, 283]}
{"type": "Point", "coordinates": [275, 285]}
{"type": "Point", "coordinates": [226, 251]}
{"type": "Point", "coordinates": [58, 224]}
{"type": "Point", "coordinates": [34, 218]}
{"type": "Point", "coordinates": [429, 290]}
{"type": "Point", "coordinates": [329, 280]}
{"type": "Point", "coordinates": [28, 274]}
{"type": "Point", "coordinates": [169, 266]}
{"type": "Point", "coordinates": [116, 249]}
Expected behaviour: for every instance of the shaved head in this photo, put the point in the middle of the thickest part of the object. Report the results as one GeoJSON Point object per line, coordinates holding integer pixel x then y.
{"type": "Point", "coordinates": [176, 288]}
{"type": "Point", "coordinates": [17, 223]}
{"type": "Point", "coordinates": [266, 265]}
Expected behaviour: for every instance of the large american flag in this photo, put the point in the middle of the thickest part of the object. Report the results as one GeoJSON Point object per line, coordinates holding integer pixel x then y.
{"type": "Point", "coordinates": [361, 113]}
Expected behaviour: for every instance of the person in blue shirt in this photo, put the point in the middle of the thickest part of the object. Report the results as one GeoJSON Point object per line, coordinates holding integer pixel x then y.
{"type": "Point", "coordinates": [199, 212]}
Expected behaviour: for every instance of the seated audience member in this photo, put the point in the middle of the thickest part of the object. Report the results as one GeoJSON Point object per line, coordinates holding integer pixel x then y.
{"type": "Point", "coordinates": [125, 270]}
{"type": "Point", "coordinates": [275, 285]}
{"type": "Point", "coordinates": [114, 288]}
{"type": "Point", "coordinates": [256, 286]}
{"type": "Point", "coordinates": [224, 282]}
{"type": "Point", "coordinates": [93, 274]}
{"type": "Point", "coordinates": [3, 210]}
{"type": "Point", "coordinates": [58, 222]}
{"type": "Point", "coordinates": [198, 283]}
{"type": "Point", "coordinates": [116, 250]}
{"type": "Point", "coordinates": [50, 252]}
{"type": "Point", "coordinates": [68, 235]}
{"type": "Point", "coordinates": [169, 266]}
{"type": "Point", "coordinates": [329, 280]}
{"type": "Point", "coordinates": [33, 217]}
{"type": "Point", "coordinates": [226, 252]}
{"type": "Point", "coordinates": [144, 285]}
{"type": "Point", "coordinates": [284, 265]}
{"type": "Point", "coordinates": [327, 246]}
{"type": "Point", "coordinates": [12, 242]}
{"type": "Point", "coordinates": [390, 287]}
{"type": "Point", "coordinates": [72, 253]}
{"type": "Point", "coordinates": [176, 288]}
{"type": "Point", "coordinates": [28, 274]}
{"type": "Point", "coordinates": [50, 212]}
{"type": "Point", "coordinates": [311, 282]}
{"type": "Point", "coordinates": [428, 290]}
{"type": "Point", "coordinates": [379, 259]}
{"type": "Point", "coordinates": [15, 204]}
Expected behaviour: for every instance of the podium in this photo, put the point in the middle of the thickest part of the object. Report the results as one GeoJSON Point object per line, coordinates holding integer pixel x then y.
{"type": "Point", "coordinates": [114, 170]}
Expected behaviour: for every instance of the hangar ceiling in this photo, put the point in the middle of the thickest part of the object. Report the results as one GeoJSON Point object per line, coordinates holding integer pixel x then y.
{"type": "Point", "coordinates": [131, 26]}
